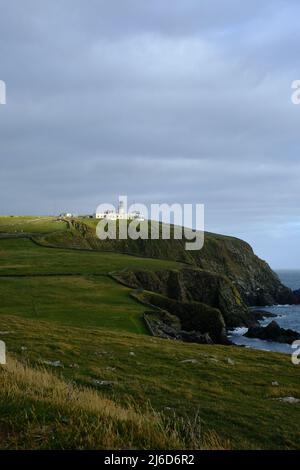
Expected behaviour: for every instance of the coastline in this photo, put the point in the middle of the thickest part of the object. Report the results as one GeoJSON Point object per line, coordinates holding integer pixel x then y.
{"type": "Point", "coordinates": [287, 316]}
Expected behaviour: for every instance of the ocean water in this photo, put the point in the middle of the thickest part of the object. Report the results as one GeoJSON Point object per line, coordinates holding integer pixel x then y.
{"type": "Point", "coordinates": [287, 316]}
{"type": "Point", "coordinates": [290, 277]}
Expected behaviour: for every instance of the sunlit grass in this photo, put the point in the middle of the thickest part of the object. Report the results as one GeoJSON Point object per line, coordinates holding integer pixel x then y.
{"type": "Point", "coordinates": [41, 411]}
{"type": "Point", "coordinates": [234, 400]}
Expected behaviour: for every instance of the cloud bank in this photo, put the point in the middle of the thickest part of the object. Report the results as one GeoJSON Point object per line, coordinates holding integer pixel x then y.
{"type": "Point", "coordinates": [162, 101]}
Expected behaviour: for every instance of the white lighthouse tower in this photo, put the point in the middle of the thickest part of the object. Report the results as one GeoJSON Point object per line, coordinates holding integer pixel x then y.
{"type": "Point", "coordinates": [122, 213]}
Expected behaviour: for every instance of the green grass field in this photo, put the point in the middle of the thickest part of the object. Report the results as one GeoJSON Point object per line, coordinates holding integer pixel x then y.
{"type": "Point", "coordinates": [30, 224]}
{"type": "Point", "coordinates": [23, 256]}
{"type": "Point", "coordinates": [62, 305]}
{"type": "Point", "coordinates": [87, 302]}
{"type": "Point", "coordinates": [70, 287]}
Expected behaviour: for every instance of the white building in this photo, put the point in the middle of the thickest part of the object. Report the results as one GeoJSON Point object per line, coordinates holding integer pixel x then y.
{"type": "Point", "coordinates": [120, 215]}
{"type": "Point", "coordinates": [66, 214]}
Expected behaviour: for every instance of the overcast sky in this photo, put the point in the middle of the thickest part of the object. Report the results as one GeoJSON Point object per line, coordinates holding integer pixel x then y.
{"type": "Point", "coordinates": [162, 100]}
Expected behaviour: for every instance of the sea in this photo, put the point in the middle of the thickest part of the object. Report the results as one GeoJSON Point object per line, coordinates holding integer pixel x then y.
{"type": "Point", "coordinates": [287, 316]}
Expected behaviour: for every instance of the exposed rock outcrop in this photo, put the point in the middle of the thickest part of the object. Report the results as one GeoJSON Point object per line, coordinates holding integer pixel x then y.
{"type": "Point", "coordinates": [193, 285]}
{"type": "Point", "coordinates": [296, 296]}
{"type": "Point", "coordinates": [159, 325]}
{"type": "Point", "coordinates": [273, 332]}
{"type": "Point", "coordinates": [193, 316]}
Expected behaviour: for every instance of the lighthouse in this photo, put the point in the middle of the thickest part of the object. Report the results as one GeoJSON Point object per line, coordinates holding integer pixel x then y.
{"type": "Point", "coordinates": [122, 214]}
{"type": "Point", "coordinates": [122, 211]}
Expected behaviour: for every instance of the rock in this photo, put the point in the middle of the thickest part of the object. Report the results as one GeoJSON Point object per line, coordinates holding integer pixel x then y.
{"type": "Point", "coordinates": [165, 325]}
{"type": "Point", "coordinates": [53, 363]}
{"type": "Point", "coordinates": [103, 383]}
{"type": "Point", "coordinates": [275, 384]}
{"type": "Point", "coordinates": [230, 361]}
{"type": "Point", "coordinates": [187, 321]}
{"type": "Point", "coordinates": [261, 314]}
{"type": "Point", "coordinates": [213, 359]}
{"type": "Point", "coordinates": [183, 289]}
{"type": "Point", "coordinates": [273, 332]}
{"type": "Point", "coordinates": [296, 294]}
{"type": "Point", "coordinates": [131, 353]}
{"type": "Point", "coordinates": [194, 337]}
{"type": "Point", "coordinates": [290, 400]}
{"type": "Point", "coordinates": [189, 361]}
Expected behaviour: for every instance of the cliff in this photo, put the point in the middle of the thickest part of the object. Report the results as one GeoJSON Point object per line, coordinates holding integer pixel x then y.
{"type": "Point", "coordinates": [189, 286]}
{"type": "Point", "coordinates": [227, 256]}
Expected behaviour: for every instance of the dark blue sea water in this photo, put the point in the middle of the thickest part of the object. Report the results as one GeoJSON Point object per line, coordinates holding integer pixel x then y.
{"type": "Point", "coordinates": [287, 316]}
{"type": "Point", "coordinates": [290, 278]}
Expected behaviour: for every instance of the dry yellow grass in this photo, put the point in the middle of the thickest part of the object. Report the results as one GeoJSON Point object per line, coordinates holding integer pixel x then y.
{"type": "Point", "coordinates": [44, 411]}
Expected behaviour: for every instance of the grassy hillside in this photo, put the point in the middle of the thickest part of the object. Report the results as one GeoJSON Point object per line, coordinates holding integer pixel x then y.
{"type": "Point", "coordinates": [42, 411]}
{"type": "Point", "coordinates": [228, 388]}
{"type": "Point", "coordinates": [23, 256]}
{"type": "Point", "coordinates": [73, 300]}
{"type": "Point", "coordinates": [83, 372]}
{"type": "Point", "coordinates": [69, 286]}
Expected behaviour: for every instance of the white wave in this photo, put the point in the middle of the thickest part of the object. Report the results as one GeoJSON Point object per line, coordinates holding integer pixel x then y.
{"type": "Point", "coordinates": [240, 331]}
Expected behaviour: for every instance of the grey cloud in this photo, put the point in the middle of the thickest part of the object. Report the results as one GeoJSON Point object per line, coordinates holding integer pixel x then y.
{"type": "Point", "coordinates": [163, 101]}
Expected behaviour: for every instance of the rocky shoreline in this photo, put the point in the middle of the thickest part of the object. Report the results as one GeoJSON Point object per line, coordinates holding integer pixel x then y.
{"type": "Point", "coordinates": [273, 332]}
{"type": "Point", "coordinates": [193, 305]}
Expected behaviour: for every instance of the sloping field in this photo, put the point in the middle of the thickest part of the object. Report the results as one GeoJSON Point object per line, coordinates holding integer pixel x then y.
{"type": "Point", "coordinates": [228, 390]}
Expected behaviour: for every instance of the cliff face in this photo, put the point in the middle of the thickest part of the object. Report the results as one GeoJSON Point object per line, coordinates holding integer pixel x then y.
{"type": "Point", "coordinates": [256, 282]}
{"type": "Point", "coordinates": [188, 321]}
{"type": "Point", "coordinates": [192, 285]}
